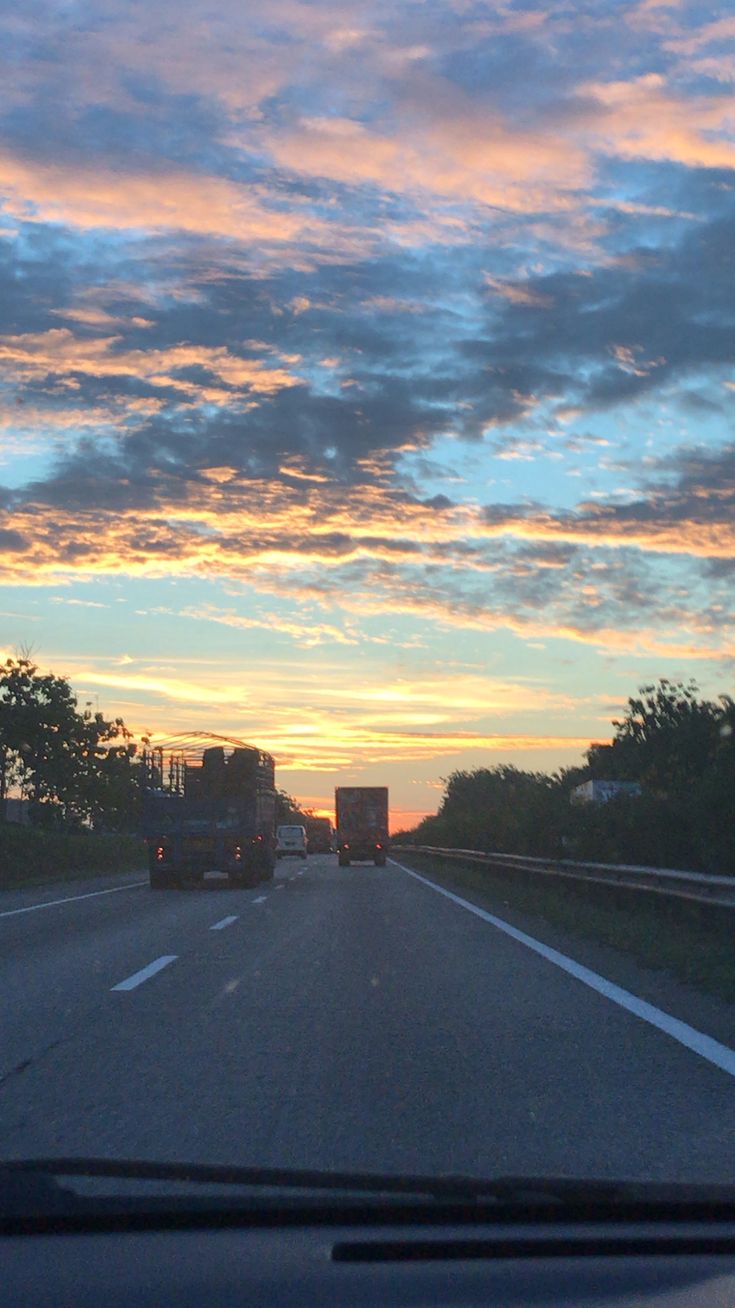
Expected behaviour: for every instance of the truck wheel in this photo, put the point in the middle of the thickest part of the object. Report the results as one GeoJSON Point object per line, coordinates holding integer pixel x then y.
{"type": "Point", "coordinates": [343, 862]}
{"type": "Point", "coordinates": [380, 862]}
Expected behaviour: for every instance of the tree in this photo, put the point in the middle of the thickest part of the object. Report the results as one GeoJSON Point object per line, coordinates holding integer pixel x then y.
{"type": "Point", "coordinates": [666, 739]}
{"type": "Point", "coordinates": [680, 748]}
{"type": "Point", "coordinates": [37, 724]}
{"type": "Point", "coordinates": [498, 808]}
{"type": "Point", "coordinates": [287, 810]}
{"type": "Point", "coordinates": [58, 759]}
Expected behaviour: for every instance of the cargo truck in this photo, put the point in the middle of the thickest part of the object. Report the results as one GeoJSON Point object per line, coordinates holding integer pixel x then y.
{"type": "Point", "coordinates": [362, 824]}
{"type": "Point", "coordinates": [208, 808]}
{"type": "Point", "coordinates": [319, 835]}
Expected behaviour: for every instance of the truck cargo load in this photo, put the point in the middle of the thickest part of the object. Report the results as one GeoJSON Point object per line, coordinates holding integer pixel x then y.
{"type": "Point", "coordinates": [208, 807]}
{"type": "Point", "coordinates": [362, 824]}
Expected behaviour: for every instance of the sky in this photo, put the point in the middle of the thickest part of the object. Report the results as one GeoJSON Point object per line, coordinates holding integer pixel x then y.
{"type": "Point", "coordinates": [367, 371]}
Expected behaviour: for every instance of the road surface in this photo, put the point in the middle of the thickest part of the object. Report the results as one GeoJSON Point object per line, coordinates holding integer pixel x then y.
{"type": "Point", "coordinates": [336, 1018]}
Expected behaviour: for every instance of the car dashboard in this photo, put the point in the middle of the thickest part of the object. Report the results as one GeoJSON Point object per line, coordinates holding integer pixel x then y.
{"type": "Point", "coordinates": [153, 1260]}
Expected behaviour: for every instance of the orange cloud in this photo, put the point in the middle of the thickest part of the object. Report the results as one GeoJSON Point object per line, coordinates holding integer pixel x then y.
{"type": "Point", "coordinates": [461, 155]}
{"type": "Point", "coordinates": [643, 119]}
{"type": "Point", "coordinates": [656, 531]}
{"type": "Point", "coordinates": [59, 352]}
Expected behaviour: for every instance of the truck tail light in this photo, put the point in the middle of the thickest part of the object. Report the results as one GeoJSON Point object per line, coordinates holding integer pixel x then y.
{"type": "Point", "coordinates": [378, 846]}
{"type": "Point", "coordinates": [345, 846]}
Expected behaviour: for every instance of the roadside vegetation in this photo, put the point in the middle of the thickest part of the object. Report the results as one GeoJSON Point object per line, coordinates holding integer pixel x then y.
{"type": "Point", "coordinates": [677, 747]}
{"type": "Point", "coordinates": [32, 856]}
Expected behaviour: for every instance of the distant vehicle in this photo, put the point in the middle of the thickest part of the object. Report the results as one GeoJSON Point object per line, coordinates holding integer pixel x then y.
{"type": "Point", "coordinates": [319, 835]}
{"type": "Point", "coordinates": [362, 824]}
{"type": "Point", "coordinates": [291, 840]}
{"type": "Point", "coordinates": [208, 808]}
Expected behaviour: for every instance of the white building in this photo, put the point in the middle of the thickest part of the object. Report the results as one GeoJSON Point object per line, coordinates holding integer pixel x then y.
{"type": "Point", "coordinates": [599, 792]}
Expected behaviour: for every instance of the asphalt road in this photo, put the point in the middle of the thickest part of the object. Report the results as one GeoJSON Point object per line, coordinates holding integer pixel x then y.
{"type": "Point", "coordinates": [336, 1018]}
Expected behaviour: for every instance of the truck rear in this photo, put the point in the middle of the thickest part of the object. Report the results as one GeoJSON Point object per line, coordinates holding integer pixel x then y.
{"type": "Point", "coordinates": [362, 824]}
{"type": "Point", "coordinates": [319, 835]}
{"type": "Point", "coordinates": [209, 809]}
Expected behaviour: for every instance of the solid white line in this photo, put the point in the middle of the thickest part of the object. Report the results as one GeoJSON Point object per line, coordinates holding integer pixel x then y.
{"type": "Point", "coordinates": [699, 1043]}
{"type": "Point", "coordinates": [138, 978]}
{"type": "Point", "coordinates": [260, 900]}
{"type": "Point", "coordinates": [225, 922]}
{"type": "Point", "coordinates": [281, 887]}
{"type": "Point", "coordinates": [72, 899]}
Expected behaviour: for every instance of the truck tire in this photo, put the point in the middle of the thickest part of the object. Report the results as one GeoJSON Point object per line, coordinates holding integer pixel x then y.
{"type": "Point", "coordinates": [343, 862]}
{"type": "Point", "coordinates": [380, 861]}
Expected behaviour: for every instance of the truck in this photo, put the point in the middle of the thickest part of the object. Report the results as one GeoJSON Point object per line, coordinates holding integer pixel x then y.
{"type": "Point", "coordinates": [362, 824]}
{"type": "Point", "coordinates": [209, 805]}
{"type": "Point", "coordinates": [319, 835]}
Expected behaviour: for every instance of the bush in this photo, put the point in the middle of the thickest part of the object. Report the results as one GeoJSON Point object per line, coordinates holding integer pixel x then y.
{"type": "Point", "coordinates": [31, 856]}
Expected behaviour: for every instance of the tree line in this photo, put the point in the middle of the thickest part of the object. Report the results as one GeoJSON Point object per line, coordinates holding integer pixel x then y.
{"type": "Point", "coordinates": [678, 747]}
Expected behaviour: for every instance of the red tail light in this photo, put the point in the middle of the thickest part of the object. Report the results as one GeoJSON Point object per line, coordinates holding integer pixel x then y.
{"type": "Point", "coordinates": [345, 846]}
{"type": "Point", "coordinates": [378, 846]}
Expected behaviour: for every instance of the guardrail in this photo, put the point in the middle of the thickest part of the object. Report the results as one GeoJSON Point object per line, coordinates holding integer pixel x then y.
{"type": "Point", "coordinates": [674, 883]}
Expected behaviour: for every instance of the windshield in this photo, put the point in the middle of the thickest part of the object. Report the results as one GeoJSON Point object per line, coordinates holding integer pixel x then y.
{"type": "Point", "coordinates": [367, 740]}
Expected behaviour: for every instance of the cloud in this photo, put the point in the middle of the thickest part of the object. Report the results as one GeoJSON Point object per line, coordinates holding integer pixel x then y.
{"type": "Point", "coordinates": [60, 353]}
{"type": "Point", "coordinates": [642, 118]}
{"type": "Point", "coordinates": [93, 197]}
{"type": "Point", "coordinates": [463, 154]}
{"type": "Point", "coordinates": [691, 514]}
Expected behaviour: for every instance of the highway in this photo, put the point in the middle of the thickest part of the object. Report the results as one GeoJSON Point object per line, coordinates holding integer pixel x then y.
{"type": "Point", "coordinates": [337, 1018]}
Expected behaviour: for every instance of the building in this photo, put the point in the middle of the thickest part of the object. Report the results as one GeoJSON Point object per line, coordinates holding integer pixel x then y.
{"type": "Point", "coordinates": [600, 792]}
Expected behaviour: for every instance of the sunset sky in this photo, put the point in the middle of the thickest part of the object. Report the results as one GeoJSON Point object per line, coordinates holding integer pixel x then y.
{"type": "Point", "coordinates": [367, 371]}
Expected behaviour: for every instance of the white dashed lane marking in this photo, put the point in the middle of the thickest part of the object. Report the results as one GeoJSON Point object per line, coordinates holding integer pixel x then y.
{"type": "Point", "coordinates": [138, 978]}
{"type": "Point", "coordinates": [224, 922]}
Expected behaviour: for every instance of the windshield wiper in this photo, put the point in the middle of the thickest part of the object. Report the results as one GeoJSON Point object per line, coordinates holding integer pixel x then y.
{"type": "Point", "coordinates": [36, 1180]}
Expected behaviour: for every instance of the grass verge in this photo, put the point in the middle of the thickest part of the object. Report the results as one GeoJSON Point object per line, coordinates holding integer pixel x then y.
{"type": "Point", "coordinates": [693, 942]}
{"type": "Point", "coordinates": [29, 857]}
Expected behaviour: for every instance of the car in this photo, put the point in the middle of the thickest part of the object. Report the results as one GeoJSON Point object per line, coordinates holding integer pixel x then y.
{"type": "Point", "coordinates": [291, 840]}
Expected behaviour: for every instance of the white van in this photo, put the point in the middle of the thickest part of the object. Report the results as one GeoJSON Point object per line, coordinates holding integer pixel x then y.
{"type": "Point", "coordinates": [291, 840]}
